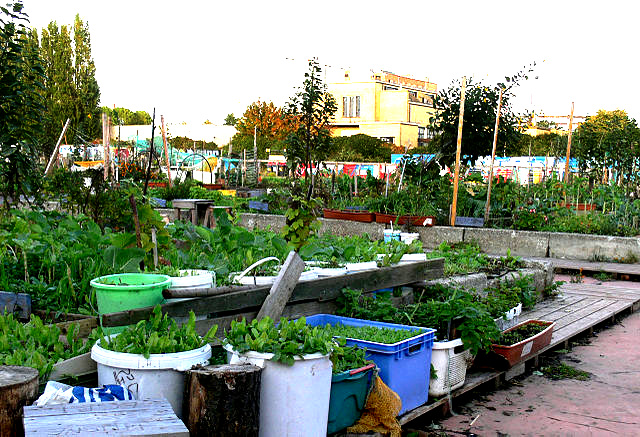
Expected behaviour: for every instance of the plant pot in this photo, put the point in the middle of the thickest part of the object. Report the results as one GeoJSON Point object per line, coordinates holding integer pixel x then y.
{"type": "Point", "coordinates": [390, 234]}
{"type": "Point", "coordinates": [157, 184]}
{"type": "Point", "coordinates": [510, 319]}
{"type": "Point", "coordinates": [349, 392]}
{"type": "Point", "coordinates": [192, 280]}
{"type": "Point", "coordinates": [213, 186]}
{"type": "Point", "coordinates": [358, 267]}
{"type": "Point", "coordinates": [520, 351]}
{"type": "Point", "coordinates": [161, 375]}
{"type": "Point", "coordinates": [294, 400]}
{"type": "Point", "coordinates": [357, 216]}
{"type": "Point", "coordinates": [127, 291]}
{"type": "Point", "coordinates": [451, 366]}
{"type": "Point", "coordinates": [409, 237]}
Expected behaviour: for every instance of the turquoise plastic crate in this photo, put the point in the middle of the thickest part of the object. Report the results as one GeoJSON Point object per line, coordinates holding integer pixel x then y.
{"type": "Point", "coordinates": [404, 366]}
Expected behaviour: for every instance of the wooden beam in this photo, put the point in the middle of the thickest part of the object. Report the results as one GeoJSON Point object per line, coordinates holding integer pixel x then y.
{"type": "Point", "coordinates": [54, 155]}
{"type": "Point", "coordinates": [283, 287]}
{"type": "Point", "coordinates": [566, 165]}
{"type": "Point", "coordinates": [487, 207]}
{"type": "Point", "coordinates": [317, 290]}
{"type": "Point", "coordinates": [166, 151]}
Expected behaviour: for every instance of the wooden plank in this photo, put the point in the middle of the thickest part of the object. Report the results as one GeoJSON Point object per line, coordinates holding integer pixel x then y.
{"type": "Point", "coordinates": [549, 312]}
{"type": "Point", "coordinates": [320, 290]}
{"type": "Point", "coordinates": [574, 316]}
{"type": "Point", "coordinates": [145, 417]}
{"type": "Point", "coordinates": [282, 287]}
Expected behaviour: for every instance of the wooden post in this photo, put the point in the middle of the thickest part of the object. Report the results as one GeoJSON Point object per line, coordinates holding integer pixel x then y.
{"type": "Point", "coordinates": [54, 155]}
{"type": "Point", "coordinates": [456, 175]}
{"type": "Point", "coordinates": [566, 165]}
{"type": "Point", "coordinates": [223, 400]}
{"type": "Point", "coordinates": [151, 149]}
{"type": "Point", "coordinates": [166, 151]}
{"type": "Point", "coordinates": [282, 287]}
{"type": "Point", "coordinates": [18, 387]}
{"type": "Point", "coordinates": [493, 157]}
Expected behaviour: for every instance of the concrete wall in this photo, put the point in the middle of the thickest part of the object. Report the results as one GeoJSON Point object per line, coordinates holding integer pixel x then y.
{"type": "Point", "coordinates": [594, 247]}
{"type": "Point", "coordinates": [498, 241]}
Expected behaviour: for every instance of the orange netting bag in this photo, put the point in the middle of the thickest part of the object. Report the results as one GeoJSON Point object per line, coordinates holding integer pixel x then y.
{"type": "Point", "coordinates": [380, 411]}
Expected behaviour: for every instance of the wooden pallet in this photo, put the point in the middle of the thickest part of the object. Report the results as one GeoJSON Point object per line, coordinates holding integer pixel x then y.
{"type": "Point", "coordinates": [593, 266]}
{"type": "Point", "coordinates": [576, 311]}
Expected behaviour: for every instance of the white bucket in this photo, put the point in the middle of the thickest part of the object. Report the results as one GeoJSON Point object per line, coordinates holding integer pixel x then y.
{"type": "Point", "coordinates": [294, 400]}
{"type": "Point", "coordinates": [358, 267]}
{"type": "Point", "coordinates": [266, 280]}
{"type": "Point", "coordinates": [325, 272]}
{"type": "Point", "coordinates": [409, 237]}
{"type": "Point", "coordinates": [413, 257]}
{"type": "Point", "coordinates": [451, 368]}
{"type": "Point", "coordinates": [162, 375]}
{"type": "Point", "coordinates": [192, 279]}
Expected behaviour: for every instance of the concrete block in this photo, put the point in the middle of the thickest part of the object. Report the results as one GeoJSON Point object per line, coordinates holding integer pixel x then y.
{"type": "Point", "coordinates": [262, 221]}
{"type": "Point", "coordinates": [345, 228]}
{"type": "Point", "coordinates": [497, 241]}
{"type": "Point", "coordinates": [474, 281]}
{"type": "Point", "coordinates": [593, 247]}
{"type": "Point", "coordinates": [432, 236]}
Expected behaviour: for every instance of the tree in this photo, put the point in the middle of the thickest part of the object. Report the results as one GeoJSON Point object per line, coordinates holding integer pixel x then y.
{"type": "Point", "coordinates": [481, 104]}
{"type": "Point", "coordinates": [127, 117]}
{"type": "Point", "coordinates": [313, 107]}
{"type": "Point", "coordinates": [230, 120]}
{"type": "Point", "coordinates": [608, 139]}
{"type": "Point", "coordinates": [70, 90]}
{"type": "Point", "coordinates": [548, 144]}
{"type": "Point", "coordinates": [360, 147]}
{"type": "Point", "coordinates": [272, 126]}
{"type": "Point", "coordinates": [21, 76]}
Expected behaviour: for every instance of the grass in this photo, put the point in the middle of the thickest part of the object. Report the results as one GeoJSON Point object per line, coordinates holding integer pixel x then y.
{"type": "Point", "coordinates": [565, 371]}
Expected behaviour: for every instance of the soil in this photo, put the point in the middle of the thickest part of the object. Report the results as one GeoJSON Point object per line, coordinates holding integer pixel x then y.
{"type": "Point", "coordinates": [520, 334]}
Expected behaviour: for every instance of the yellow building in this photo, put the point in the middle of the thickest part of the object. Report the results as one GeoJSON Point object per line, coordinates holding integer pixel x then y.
{"type": "Point", "coordinates": [394, 108]}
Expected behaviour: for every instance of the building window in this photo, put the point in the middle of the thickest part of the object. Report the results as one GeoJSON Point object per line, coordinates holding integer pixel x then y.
{"type": "Point", "coordinates": [421, 132]}
{"type": "Point", "coordinates": [351, 106]}
{"type": "Point", "coordinates": [387, 140]}
{"type": "Point", "coordinates": [389, 88]}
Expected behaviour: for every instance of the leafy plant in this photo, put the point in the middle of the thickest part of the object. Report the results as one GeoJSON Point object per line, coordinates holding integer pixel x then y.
{"type": "Point", "coordinates": [158, 335]}
{"type": "Point", "coordinates": [286, 341]}
{"type": "Point", "coordinates": [346, 358]}
{"type": "Point", "coordinates": [37, 345]}
{"type": "Point", "coordinates": [372, 333]}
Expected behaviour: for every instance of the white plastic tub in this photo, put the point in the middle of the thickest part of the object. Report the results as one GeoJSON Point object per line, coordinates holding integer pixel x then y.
{"type": "Point", "coordinates": [390, 234]}
{"type": "Point", "coordinates": [162, 375]}
{"type": "Point", "coordinates": [451, 367]}
{"type": "Point", "coordinates": [266, 280]}
{"type": "Point", "coordinates": [294, 400]}
{"type": "Point", "coordinates": [358, 267]}
{"type": "Point", "coordinates": [192, 279]}
{"type": "Point", "coordinates": [409, 237]}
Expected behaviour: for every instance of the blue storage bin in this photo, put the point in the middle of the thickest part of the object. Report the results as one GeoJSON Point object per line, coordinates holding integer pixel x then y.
{"type": "Point", "coordinates": [404, 366]}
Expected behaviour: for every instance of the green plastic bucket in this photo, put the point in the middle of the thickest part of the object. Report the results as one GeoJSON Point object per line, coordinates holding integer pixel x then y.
{"type": "Point", "coordinates": [349, 392]}
{"type": "Point", "coordinates": [127, 291]}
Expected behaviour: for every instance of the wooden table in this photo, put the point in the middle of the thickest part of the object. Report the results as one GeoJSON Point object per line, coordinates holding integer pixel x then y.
{"type": "Point", "coordinates": [198, 208]}
{"type": "Point", "coordinates": [148, 417]}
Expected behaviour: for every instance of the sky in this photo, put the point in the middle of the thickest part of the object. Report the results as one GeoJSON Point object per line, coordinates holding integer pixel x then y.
{"type": "Point", "coordinates": [201, 60]}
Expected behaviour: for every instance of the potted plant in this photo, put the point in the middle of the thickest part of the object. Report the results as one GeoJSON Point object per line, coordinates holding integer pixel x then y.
{"type": "Point", "coordinates": [351, 381]}
{"type": "Point", "coordinates": [523, 340]}
{"type": "Point", "coordinates": [296, 376]}
{"type": "Point", "coordinates": [150, 357]}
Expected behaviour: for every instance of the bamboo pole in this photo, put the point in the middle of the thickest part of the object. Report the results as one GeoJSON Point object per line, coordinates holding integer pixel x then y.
{"type": "Point", "coordinates": [456, 175]}
{"type": "Point", "coordinates": [487, 207]}
{"type": "Point", "coordinates": [166, 151]}
{"type": "Point", "coordinates": [566, 164]}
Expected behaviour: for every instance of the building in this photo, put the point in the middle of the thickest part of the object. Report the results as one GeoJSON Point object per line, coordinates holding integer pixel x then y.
{"type": "Point", "coordinates": [396, 109]}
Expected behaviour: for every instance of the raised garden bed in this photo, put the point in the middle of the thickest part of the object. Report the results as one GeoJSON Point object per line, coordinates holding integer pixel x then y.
{"type": "Point", "coordinates": [357, 216]}
{"type": "Point", "coordinates": [413, 220]}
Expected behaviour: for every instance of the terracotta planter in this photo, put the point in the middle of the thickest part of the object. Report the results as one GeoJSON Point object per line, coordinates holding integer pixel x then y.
{"type": "Point", "coordinates": [579, 206]}
{"type": "Point", "coordinates": [520, 351]}
{"type": "Point", "coordinates": [414, 220]}
{"type": "Point", "coordinates": [157, 184]}
{"type": "Point", "coordinates": [357, 216]}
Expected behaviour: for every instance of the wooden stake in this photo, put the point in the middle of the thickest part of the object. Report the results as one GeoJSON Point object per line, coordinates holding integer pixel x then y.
{"type": "Point", "coordinates": [54, 155]}
{"type": "Point", "coordinates": [456, 175]}
{"type": "Point", "coordinates": [166, 151]}
{"type": "Point", "coordinates": [493, 157]}
{"type": "Point", "coordinates": [282, 287]}
{"type": "Point", "coordinates": [566, 165]}
{"type": "Point", "coordinates": [151, 148]}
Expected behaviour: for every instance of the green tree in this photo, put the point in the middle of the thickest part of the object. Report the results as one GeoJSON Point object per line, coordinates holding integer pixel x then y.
{"type": "Point", "coordinates": [313, 107]}
{"type": "Point", "coordinates": [481, 104]}
{"type": "Point", "coordinates": [608, 139]}
{"type": "Point", "coordinates": [230, 120]}
{"type": "Point", "coordinates": [21, 76]}
{"type": "Point", "coordinates": [70, 90]}
{"type": "Point", "coordinates": [360, 147]}
{"type": "Point", "coordinates": [127, 117]}
{"type": "Point", "coordinates": [548, 144]}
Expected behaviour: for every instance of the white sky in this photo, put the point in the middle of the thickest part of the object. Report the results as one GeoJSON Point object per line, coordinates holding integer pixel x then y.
{"type": "Point", "coordinates": [198, 60]}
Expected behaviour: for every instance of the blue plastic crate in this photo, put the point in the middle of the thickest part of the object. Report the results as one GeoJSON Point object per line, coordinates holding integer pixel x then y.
{"type": "Point", "coordinates": [404, 366]}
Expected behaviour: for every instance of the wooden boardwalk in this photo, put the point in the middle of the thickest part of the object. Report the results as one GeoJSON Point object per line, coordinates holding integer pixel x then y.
{"type": "Point", "coordinates": [577, 310]}
{"type": "Point", "coordinates": [593, 266]}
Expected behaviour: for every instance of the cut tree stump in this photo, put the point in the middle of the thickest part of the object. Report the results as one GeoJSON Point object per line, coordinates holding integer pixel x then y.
{"type": "Point", "coordinates": [223, 400]}
{"type": "Point", "coordinates": [18, 387]}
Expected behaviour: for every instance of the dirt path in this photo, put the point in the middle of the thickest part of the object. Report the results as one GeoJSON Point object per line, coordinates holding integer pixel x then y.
{"type": "Point", "coordinates": [607, 404]}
